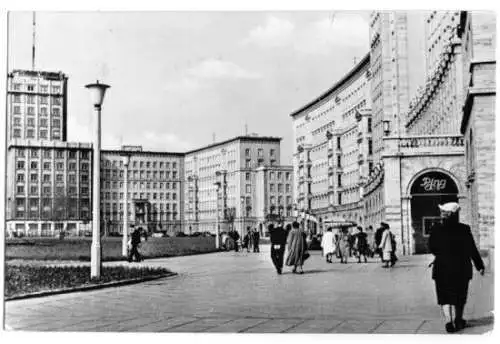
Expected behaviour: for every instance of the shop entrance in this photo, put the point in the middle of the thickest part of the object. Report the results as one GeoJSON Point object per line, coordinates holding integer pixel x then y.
{"type": "Point", "coordinates": [427, 192]}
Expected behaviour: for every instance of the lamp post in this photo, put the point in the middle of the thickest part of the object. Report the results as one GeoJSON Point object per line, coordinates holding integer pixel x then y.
{"type": "Point", "coordinates": [126, 162]}
{"type": "Point", "coordinates": [97, 92]}
{"type": "Point", "coordinates": [217, 185]}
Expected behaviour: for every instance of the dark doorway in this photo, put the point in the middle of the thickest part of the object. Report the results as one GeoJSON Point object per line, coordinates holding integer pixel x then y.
{"type": "Point", "coordinates": [428, 191]}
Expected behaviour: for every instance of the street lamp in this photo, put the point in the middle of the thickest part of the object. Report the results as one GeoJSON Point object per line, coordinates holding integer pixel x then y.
{"type": "Point", "coordinates": [242, 199]}
{"type": "Point", "coordinates": [97, 92]}
{"type": "Point", "coordinates": [217, 185]}
{"type": "Point", "coordinates": [126, 162]}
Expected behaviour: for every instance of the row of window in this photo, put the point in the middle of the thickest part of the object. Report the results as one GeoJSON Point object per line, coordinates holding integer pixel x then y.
{"type": "Point", "coordinates": [140, 164]}
{"type": "Point", "coordinates": [140, 174]}
{"type": "Point", "coordinates": [43, 122]}
{"type": "Point", "coordinates": [18, 98]}
{"type": "Point", "coordinates": [141, 185]}
{"type": "Point", "coordinates": [139, 195]}
{"type": "Point", "coordinates": [273, 188]}
{"type": "Point", "coordinates": [30, 134]}
{"type": "Point", "coordinates": [47, 165]}
{"type": "Point", "coordinates": [84, 178]}
{"type": "Point", "coordinates": [47, 190]}
{"type": "Point", "coordinates": [43, 111]}
{"type": "Point", "coordinates": [48, 202]}
{"type": "Point", "coordinates": [32, 88]}
{"type": "Point", "coordinates": [47, 153]}
{"type": "Point", "coordinates": [260, 152]}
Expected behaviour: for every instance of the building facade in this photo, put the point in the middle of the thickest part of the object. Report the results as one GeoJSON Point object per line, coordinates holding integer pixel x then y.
{"type": "Point", "coordinates": [48, 188]}
{"type": "Point", "coordinates": [223, 182]}
{"type": "Point", "coordinates": [155, 190]}
{"type": "Point", "coordinates": [333, 148]}
{"type": "Point", "coordinates": [427, 89]}
{"type": "Point", "coordinates": [478, 33]}
{"type": "Point", "coordinates": [37, 105]}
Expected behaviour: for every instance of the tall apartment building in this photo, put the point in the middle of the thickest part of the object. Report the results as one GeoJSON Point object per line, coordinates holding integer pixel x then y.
{"type": "Point", "coordinates": [223, 176]}
{"type": "Point", "coordinates": [37, 105]}
{"type": "Point", "coordinates": [333, 148]}
{"type": "Point", "coordinates": [48, 188]}
{"type": "Point", "coordinates": [155, 189]}
{"type": "Point", "coordinates": [478, 34]}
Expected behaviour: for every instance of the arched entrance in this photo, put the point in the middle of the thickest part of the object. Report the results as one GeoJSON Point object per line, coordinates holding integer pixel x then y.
{"type": "Point", "coordinates": [427, 192]}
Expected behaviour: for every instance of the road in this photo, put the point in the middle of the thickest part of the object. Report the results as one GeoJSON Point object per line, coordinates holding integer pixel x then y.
{"type": "Point", "coordinates": [241, 292]}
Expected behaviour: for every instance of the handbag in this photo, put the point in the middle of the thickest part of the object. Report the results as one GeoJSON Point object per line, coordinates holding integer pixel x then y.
{"type": "Point", "coordinates": [306, 255]}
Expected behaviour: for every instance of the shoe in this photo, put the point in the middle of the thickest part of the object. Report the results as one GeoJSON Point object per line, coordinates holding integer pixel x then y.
{"type": "Point", "coordinates": [449, 327]}
{"type": "Point", "coordinates": [278, 270]}
{"type": "Point", "coordinates": [460, 324]}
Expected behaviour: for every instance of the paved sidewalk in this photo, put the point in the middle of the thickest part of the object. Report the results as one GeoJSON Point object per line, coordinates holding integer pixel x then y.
{"type": "Point", "coordinates": [241, 292]}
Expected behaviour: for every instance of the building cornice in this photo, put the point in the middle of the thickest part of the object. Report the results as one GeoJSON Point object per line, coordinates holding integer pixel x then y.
{"type": "Point", "coordinates": [365, 62]}
{"type": "Point", "coordinates": [238, 138]}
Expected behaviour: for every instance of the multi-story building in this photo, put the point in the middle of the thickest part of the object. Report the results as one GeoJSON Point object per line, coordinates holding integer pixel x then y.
{"type": "Point", "coordinates": [48, 188]}
{"type": "Point", "coordinates": [36, 105]}
{"type": "Point", "coordinates": [221, 182]}
{"type": "Point", "coordinates": [417, 106]}
{"type": "Point", "coordinates": [478, 33]}
{"type": "Point", "coordinates": [155, 189]}
{"type": "Point", "coordinates": [334, 149]}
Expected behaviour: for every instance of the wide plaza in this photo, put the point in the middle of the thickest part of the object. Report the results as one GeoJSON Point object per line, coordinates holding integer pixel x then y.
{"type": "Point", "coordinates": [241, 293]}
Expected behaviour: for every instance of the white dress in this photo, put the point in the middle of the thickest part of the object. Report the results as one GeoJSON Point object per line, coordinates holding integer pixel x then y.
{"type": "Point", "coordinates": [327, 243]}
{"type": "Point", "coordinates": [386, 245]}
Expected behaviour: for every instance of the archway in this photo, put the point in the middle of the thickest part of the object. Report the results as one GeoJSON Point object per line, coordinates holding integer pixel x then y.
{"type": "Point", "coordinates": [427, 192]}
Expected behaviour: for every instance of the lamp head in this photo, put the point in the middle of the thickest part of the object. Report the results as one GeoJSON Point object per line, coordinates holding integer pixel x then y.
{"type": "Point", "coordinates": [97, 91]}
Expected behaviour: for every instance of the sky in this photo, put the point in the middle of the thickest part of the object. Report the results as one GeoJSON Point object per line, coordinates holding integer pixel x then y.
{"type": "Point", "coordinates": [179, 77]}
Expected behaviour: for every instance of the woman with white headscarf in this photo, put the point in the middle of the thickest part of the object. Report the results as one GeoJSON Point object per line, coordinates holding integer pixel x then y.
{"type": "Point", "coordinates": [453, 246]}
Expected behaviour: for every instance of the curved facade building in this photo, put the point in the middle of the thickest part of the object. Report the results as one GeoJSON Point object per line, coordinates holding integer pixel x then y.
{"type": "Point", "coordinates": [333, 148]}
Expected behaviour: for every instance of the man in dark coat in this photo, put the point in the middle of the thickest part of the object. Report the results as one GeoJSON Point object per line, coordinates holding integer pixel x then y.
{"type": "Point", "coordinates": [278, 244]}
{"type": "Point", "coordinates": [235, 236]}
{"type": "Point", "coordinates": [256, 239]}
{"type": "Point", "coordinates": [453, 246]}
{"type": "Point", "coordinates": [378, 238]}
{"type": "Point", "coordinates": [135, 240]}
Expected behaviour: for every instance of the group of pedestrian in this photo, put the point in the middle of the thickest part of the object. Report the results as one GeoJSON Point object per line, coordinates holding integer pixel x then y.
{"type": "Point", "coordinates": [344, 245]}
{"type": "Point", "coordinates": [251, 240]}
{"type": "Point", "coordinates": [291, 238]}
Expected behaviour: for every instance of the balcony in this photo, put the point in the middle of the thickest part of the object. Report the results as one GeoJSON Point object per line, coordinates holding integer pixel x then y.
{"type": "Point", "coordinates": [330, 170]}
{"type": "Point", "coordinates": [361, 159]}
{"type": "Point", "coordinates": [437, 145]}
{"type": "Point", "coordinates": [360, 137]}
{"type": "Point", "coordinates": [330, 152]}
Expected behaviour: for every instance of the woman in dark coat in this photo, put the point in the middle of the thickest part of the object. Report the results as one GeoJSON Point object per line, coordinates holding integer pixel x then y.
{"type": "Point", "coordinates": [297, 248]}
{"type": "Point", "coordinates": [453, 246]}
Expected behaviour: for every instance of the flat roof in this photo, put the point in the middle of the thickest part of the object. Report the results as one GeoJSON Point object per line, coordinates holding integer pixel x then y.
{"type": "Point", "coordinates": [141, 152]}
{"type": "Point", "coordinates": [365, 60]}
{"type": "Point", "coordinates": [238, 138]}
{"type": "Point", "coordinates": [39, 73]}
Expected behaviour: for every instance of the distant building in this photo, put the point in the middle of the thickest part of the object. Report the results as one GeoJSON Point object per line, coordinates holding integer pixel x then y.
{"type": "Point", "coordinates": [155, 190]}
{"type": "Point", "coordinates": [37, 105]}
{"type": "Point", "coordinates": [233, 166]}
{"type": "Point", "coordinates": [333, 148]}
{"type": "Point", "coordinates": [48, 188]}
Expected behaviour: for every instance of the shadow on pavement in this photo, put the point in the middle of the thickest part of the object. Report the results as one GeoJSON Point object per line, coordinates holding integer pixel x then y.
{"type": "Point", "coordinates": [484, 321]}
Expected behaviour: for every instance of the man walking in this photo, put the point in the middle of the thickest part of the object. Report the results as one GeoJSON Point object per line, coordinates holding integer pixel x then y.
{"type": "Point", "coordinates": [378, 238]}
{"type": "Point", "coordinates": [135, 240]}
{"type": "Point", "coordinates": [278, 244]}
{"type": "Point", "coordinates": [256, 239]}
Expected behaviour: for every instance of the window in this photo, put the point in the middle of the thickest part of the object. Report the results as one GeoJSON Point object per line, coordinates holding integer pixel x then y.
{"type": "Point", "coordinates": [72, 166]}
{"type": "Point", "coordinates": [43, 111]}
{"type": "Point", "coordinates": [46, 166]}
{"type": "Point", "coordinates": [339, 198]}
{"type": "Point", "coordinates": [20, 177]}
{"type": "Point", "coordinates": [174, 196]}
{"type": "Point", "coordinates": [20, 189]}
{"type": "Point", "coordinates": [46, 153]}
{"type": "Point", "coordinates": [34, 153]}
{"type": "Point", "coordinates": [43, 134]}
{"type": "Point", "coordinates": [71, 178]}
{"type": "Point", "coordinates": [280, 187]}
{"type": "Point", "coordinates": [369, 123]}
{"type": "Point", "coordinates": [174, 165]}
{"type": "Point", "coordinates": [56, 89]}
{"type": "Point", "coordinates": [339, 180]}
{"type": "Point", "coordinates": [260, 152]}
{"type": "Point", "coordinates": [34, 165]}
{"type": "Point", "coordinates": [56, 111]}
{"type": "Point", "coordinates": [247, 176]}
{"type": "Point", "coordinates": [370, 147]}
{"type": "Point", "coordinates": [60, 166]}
{"type": "Point", "coordinates": [370, 167]}
{"type": "Point", "coordinates": [72, 154]}
{"type": "Point", "coordinates": [17, 121]}
{"type": "Point", "coordinates": [288, 188]}
{"type": "Point", "coordinates": [34, 190]}
{"type": "Point", "coordinates": [56, 100]}
{"type": "Point", "coordinates": [247, 152]}
{"type": "Point", "coordinates": [59, 178]}
{"type": "Point", "coordinates": [287, 176]}
{"type": "Point", "coordinates": [17, 110]}
{"type": "Point", "coordinates": [16, 87]}
{"type": "Point", "coordinates": [271, 187]}
{"type": "Point", "coordinates": [247, 163]}
{"type": "Point", "coordinates": [43, 88]}
{"type": "Point", "coordinates": [272, 152]}
{"type": "Point", "coordinates": [85, 166]}
{"type": "Point", "coordinates": [46, 178]}
{"type": "Point", "coordinates": [59, 154]}
{"type": "Point", "coordinates": [44, 100]}
{"type": "Point", "coordinates": [20, 165]}
{"type": "Point", "coordinates": [248, 188]}
{"type": "Point", "coordinates": [31, 99]}
{"type": "Point", "coordinates": [338, 142]}
{"type": "Point", "coordinates": [30, 133]}
{"type": "Point", "coordinates": [17, 98]}
{"type": "Point", "coordinates": [339, 161]}
{"type": "Point", "coordinates": [174, 175]}
{"type": "Point", "coordinates": [85, 155]}
{"type": "Point", "coordinates": [17, 132]}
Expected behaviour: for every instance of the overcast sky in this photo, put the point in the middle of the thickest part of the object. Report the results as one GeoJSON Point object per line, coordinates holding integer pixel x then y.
{"type": "Point", "coordinates": [178, 77]}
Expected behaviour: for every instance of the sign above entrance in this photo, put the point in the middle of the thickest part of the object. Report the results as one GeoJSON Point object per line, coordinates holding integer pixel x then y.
{"type": "Point", "coordinates": [434, 182]}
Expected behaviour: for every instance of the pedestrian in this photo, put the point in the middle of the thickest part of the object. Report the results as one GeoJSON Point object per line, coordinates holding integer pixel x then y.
{"type": "Point", "coordinates": [135, 241]}
{"type": "Point", "coordinates": [343, 245]}
{"type": "Point", "coordinates": [278, 244]}
{"type": "Point", "coordinates": [453, 247]}
{"type": "Point", "coordinates": [378, 239]}
{"type": "Point", "coordinates": [236, 238]}
{"type": "Point", "coordinates": [328, 245]}
{"type": "Point", "coordinates": [361, 244]}
{"type": "Point", "coordinates": [247, 240]}
{"type": "Point", "coordinates": [297, 248]}
{"type": "Point", "coordinates": [256, 239]}
{"type": "Point", "coordinates": [386, 246]}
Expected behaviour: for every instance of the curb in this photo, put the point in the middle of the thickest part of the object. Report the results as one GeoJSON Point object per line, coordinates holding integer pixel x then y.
{"type": "Point", "coordinates": [89, 287]}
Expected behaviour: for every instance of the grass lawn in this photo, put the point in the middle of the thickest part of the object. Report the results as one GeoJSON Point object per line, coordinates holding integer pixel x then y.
{"type": "Point", "coordinates": [79, 248]}
{"type": "Point", "coordinates": [25, 279]}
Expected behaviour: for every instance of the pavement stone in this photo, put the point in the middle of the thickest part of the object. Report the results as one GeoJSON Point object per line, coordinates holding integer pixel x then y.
{"type": "Point", "coordinates": [241, 292]}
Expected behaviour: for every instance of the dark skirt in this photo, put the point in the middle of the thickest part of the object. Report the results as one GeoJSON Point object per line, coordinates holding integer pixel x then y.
{"type": "Point", "coordinates": [451, 293]}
